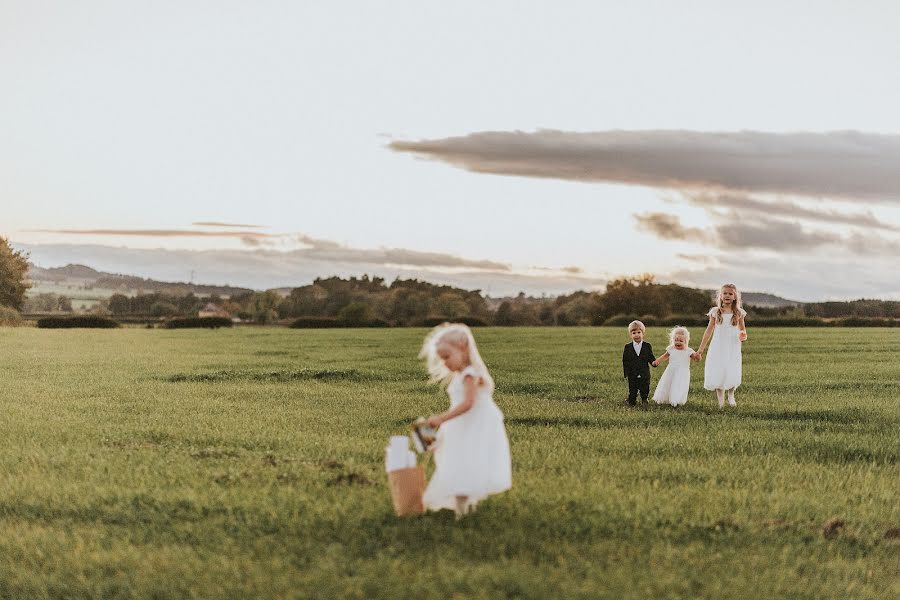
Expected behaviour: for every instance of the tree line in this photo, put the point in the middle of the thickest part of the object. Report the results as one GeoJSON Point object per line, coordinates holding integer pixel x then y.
{"type": "Point", "coordinates": [368, 300]}
{"type": "Point", "coordinates": [359, 301]}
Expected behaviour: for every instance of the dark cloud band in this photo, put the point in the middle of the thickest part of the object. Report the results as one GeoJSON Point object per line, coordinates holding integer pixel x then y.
{"type": "Point", "coordinates": [843, 164]}
{"type": "Point", "coordinates": [165, 233]}
{"type": "Point", "coordinates": [765, 233]}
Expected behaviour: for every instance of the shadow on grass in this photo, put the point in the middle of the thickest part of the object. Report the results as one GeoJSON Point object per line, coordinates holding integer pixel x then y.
{"type": "Point", "coordinates": [805, 388]}
{"type": "Point", "coordinates": [278, 376]}
{"type": "Point", "coordinates": [501, 528]}
{"type": "Point", "coordinates": [559, 422]}
{"type": "Point", "coordinates": [579, 422]}
{"type": "Point", "coordinates": [847, 416]}
{"type": "Point", "coordinates": [836, 453]}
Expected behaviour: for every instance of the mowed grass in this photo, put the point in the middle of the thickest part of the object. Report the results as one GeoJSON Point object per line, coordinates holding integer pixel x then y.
{"type": "Point", "coordinates": [249, 463]}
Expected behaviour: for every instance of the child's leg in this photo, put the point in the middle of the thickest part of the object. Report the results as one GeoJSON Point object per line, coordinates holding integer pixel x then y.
{"type": "Point", "coordinates": [645, 390]}
{"type": "Point", "coordinates": [720, 395]}
{"type": "Point", "coordinates": [632, 392]}
{"type": "Point", "coordinates": [731, 401]}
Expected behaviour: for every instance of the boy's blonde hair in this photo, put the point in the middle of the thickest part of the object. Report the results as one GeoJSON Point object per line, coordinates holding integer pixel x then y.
{"type": "Point", "coordinates": [637, 324]}
{"type": "Point", "coordinates": [675, 331]}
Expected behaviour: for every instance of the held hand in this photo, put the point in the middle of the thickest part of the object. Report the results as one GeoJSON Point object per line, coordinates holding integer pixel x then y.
{"type": "Point", "coordinates": [655, 363]}
{"type": "Point", "coordinates": [697, 356]}
{"type": "Point", "coordinates": [742, 336]}
{"type": "Point", "coordinates": [434, 421]}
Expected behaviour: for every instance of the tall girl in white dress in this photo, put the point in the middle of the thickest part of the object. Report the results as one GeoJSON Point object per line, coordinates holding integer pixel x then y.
{"type": "Point", "coordinates": [726, 327]}
{"type": "Point", "coordinates": [674, 384]}
{"type": "Point", "coordinates": [472, 452]}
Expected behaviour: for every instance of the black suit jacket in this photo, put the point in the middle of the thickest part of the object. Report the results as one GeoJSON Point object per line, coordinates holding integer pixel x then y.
{"type": "Point", "coordinates": [635, 365]}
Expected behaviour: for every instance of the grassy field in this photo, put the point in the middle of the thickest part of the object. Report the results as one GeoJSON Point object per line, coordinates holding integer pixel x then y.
{"type": "Point", "coordinates": [249, 463]}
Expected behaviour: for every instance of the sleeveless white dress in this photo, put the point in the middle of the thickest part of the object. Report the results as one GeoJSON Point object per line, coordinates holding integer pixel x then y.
{"type": "Point", "coordinates": [723, 359]}
{"type": "Point", "coordinates": [674, 384]}
{"type": "Point", "coordinates": [472, 454]}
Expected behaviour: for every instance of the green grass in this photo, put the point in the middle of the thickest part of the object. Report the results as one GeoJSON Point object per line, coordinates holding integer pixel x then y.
{"type": "Point", "coordinates": [249, 462]}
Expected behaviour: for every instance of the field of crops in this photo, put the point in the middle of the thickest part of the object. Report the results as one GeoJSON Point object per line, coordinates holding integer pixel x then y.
{"type": "Point", "coordinates": [249, 463]}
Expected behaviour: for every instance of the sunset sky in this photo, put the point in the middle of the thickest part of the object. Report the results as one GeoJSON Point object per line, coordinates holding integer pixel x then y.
{"type": "Point", "coordinates": [504, 146]}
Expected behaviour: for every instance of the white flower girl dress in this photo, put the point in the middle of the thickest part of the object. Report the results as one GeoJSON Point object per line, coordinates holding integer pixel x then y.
{"type": "Point", "coordinates": [674, 384]}
{"type": "Point", "coordinates": [472, 452]}
{"type": "Point", "coordinates": [723, 359]}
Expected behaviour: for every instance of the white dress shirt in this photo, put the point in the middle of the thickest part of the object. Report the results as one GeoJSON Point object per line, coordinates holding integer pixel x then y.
{"type": "Point", "coordinates": [637, 347]}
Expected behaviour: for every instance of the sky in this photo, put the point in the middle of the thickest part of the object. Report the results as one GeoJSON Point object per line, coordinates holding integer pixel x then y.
{"type": "Point", "coordinates": [502, 146]}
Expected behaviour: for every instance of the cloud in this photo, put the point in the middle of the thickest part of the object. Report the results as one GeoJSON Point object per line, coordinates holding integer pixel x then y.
{"type": "Point", "coordinates": [329, 251]}
{"type": "Point", "coordinates": [163, 233]}
{"type": "Point", "coordinates": [844, 164]}
{"type": "Point", "coordinates": [571, 270]}
{"type": "Point", "coordinates": [263, 268]}
{"type": "Point", "coordinates": [251, 241]}
{"type": "Point", "coordinates": [704, 259]}
{"type": "Point", "coordinates": [803, 278]}
{"type": "Point", "coordinates": [770, 234]}
{"type": "Point", "coordinates": [732, 232]}
{"type": "Point", "coordinates": [786, 208]}
{"type": "Point", "coordinates": [312, 248]}
{"type": "Point", "coordinates": [669, 227]}
{"type": "Point", "coordinates": [218, 224]}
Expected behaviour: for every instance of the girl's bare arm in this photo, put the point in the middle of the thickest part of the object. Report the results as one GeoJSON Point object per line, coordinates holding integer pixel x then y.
{"type": "Point", "coordinates": [707, 334]}
{"type": "Point", "coordinates": [470, 388]}
{"type": "Point", "coordinates": [662, 358]}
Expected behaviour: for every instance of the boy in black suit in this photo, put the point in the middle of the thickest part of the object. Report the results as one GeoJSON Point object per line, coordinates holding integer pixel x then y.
{"type": "Point", "coordinates": [636, 360]}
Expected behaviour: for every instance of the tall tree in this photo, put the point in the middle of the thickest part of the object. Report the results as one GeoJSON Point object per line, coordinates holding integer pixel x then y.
{"type": "Point", "coordinates": [13, 270]}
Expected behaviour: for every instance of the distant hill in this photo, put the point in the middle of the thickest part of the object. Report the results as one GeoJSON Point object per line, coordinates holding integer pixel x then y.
{"type": "Point", "coordinates": [759, 299]}
{"type": "Point", "coordinates": [57, 274]}
{"type": "Point", "coordinates": [762, 300]}
{"type": "Point", "coordinates": [85, 277]}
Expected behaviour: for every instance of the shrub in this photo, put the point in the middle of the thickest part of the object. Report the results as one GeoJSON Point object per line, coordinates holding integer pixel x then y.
{"type": "Point", "coordinates": [333, 323]}
{"type": "Point", "coordinates": [80, 321]}
{"type": "Point", "coordinates": [624, 320]}
{"type": "Point", "coordinates": [10, 317]}
{"type": "Point", "coordinates": [788, 322]}
{"type": "Point", "coordinates": [867, 322]}
{"type": "Point", "coordinates": [316, 323]}
{"type": "Point", "coordinates": [435, 321]}
{"type": "Point", "coordinates": [686, 320]}
{"type": "Point", "coordinates": [471, 321]}
{"type": "Point", "coordinates": [198, 322]}
{"type": "Point", "coordinates": [467, 320]}
{"type": "Point", "coordinates": [163, 309]}
{"type": "Point", "coordinates": [355, 314]}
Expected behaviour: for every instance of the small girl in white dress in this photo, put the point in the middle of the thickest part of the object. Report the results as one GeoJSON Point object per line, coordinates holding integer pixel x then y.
{"type": "Point", "coordinates": [472, 452]}
{"type": "Point", "coordinates": [674, 384]}
{"type": "Point", "coordinates": [726, 326]}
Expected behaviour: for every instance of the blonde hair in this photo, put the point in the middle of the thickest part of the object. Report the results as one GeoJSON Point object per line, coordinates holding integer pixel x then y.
{"type": "Point", "coordinates": [455, 334]}
{"type": "Point", "coordinates": [675, 331]}
{"type": "Point", "coordinates": [736, 309]}
{"type": "Point", "coordinates": [634, 324]}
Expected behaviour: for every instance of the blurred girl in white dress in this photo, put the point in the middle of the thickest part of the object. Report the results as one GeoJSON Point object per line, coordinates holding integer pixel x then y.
{"type": "Point", "coordinates": [722, 372]}
{"type": "Point", "coordinates": [471, 456]}
{"type": "Point", "coordinates": [674, 384]}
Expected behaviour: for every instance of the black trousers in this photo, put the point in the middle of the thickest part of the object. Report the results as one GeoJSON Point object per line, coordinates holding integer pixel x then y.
{"type": "Point", "coordinates": [638, 385]}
